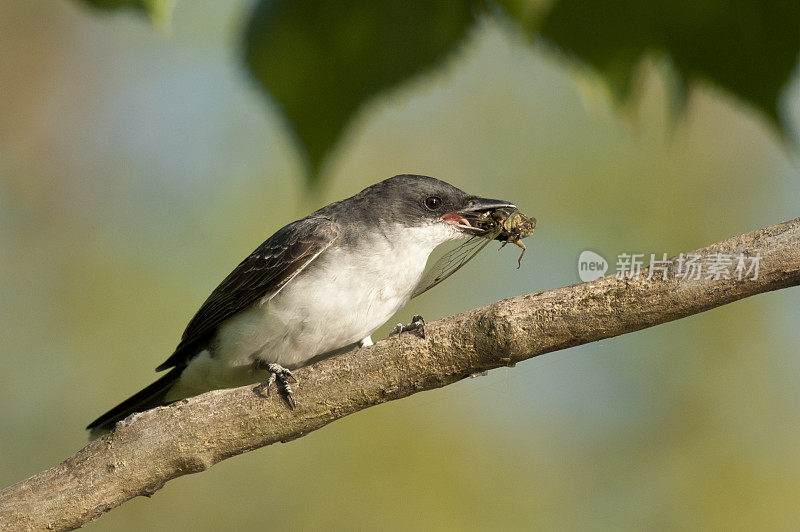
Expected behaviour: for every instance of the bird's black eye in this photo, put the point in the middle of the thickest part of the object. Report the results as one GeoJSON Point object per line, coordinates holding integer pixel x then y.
{"type": "Point", "coordinates": [433, 202]}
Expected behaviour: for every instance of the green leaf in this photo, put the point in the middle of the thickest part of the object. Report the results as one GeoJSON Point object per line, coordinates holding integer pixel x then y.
{"type": "Point", "coordinates": [321, 60]}
{"type": "Point", "coordinates": [747, 47]}
{"type": "Point", "coordinates": [159, 11]}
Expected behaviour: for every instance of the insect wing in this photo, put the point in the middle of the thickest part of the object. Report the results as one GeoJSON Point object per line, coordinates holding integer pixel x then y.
{"type": "Point", "coordinates": [452, 261]}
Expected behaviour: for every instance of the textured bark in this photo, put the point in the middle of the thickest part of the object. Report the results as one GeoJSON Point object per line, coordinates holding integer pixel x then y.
{"type": "Point", "coordinates": [189, 436]}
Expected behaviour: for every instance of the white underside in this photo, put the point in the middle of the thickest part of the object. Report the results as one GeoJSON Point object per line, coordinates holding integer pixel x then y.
{"type": "Point", "coordinates": [340, 299]}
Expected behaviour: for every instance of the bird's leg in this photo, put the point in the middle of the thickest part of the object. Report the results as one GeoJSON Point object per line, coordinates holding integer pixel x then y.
{"type": "Point", "coordinates": [365, 342]}
{"type": "Point", "coordinates": [417, 324]}
{"type": "Point", "coordinates": [280, 374]}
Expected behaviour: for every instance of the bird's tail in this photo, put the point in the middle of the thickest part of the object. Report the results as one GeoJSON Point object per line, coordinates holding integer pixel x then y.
{"type": "Point", "coordinates": [148, 398]}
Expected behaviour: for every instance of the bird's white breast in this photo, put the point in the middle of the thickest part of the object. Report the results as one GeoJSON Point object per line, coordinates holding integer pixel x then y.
{"type": "Point", "coordinates": [339, 299]}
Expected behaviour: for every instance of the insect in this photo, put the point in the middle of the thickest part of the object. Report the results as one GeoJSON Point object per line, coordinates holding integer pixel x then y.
{"type": "Point", "coordinates": [452, 261]}
{"type": "Point", "coordinates": [505, 225]}
{"type": "Point", "coordinates": [514, 226]}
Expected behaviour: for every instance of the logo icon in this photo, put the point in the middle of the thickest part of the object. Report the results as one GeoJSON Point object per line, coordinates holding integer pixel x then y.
{"type": "Point", "coordinates": [591, 266]}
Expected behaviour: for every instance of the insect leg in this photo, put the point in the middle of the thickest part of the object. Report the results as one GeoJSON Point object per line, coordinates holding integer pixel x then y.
{"type": "Point", "coordinates": [519, 260]}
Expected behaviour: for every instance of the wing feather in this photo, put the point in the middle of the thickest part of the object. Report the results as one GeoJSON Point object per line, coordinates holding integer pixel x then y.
{"type": "Point", "coordinates": [261, 275]}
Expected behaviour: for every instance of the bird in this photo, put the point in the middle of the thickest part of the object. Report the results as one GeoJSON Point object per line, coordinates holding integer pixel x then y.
{"type": "Point", "coordinates": [317, 287]}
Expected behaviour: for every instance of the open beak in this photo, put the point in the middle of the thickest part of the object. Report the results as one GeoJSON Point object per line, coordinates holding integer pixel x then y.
{"type": "Point", "coordinates": [474, 208]}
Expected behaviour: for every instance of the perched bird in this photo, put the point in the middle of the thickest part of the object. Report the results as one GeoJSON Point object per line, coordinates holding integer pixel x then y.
{"type": "Point", "coordinates": [317, 287]}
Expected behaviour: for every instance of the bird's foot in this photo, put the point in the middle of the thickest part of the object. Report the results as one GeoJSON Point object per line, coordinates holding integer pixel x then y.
{"type": "Point", "coordinates": [280, 374]}
{"type": "Point", "coordinates": [417, 324]}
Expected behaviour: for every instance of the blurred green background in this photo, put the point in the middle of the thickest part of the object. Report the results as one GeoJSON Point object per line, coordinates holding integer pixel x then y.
{"type": "Point", "coordinates": [137, 167]}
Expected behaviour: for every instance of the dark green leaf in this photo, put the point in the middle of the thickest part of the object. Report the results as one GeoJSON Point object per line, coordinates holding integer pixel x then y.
{"type": "Point", "coordinates": [159, 11]}
{"type": "Point", "coordinates": [748, 47]}
{"type": "Point", "coordinates": [320, 60]}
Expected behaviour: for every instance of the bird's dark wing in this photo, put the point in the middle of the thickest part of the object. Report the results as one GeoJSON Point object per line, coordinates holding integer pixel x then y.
{"type": "Point", "coordinates": [263, 274]}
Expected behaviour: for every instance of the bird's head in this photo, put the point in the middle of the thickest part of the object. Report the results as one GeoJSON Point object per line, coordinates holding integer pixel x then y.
{"type": "Point", "coordinates": [436, 208]}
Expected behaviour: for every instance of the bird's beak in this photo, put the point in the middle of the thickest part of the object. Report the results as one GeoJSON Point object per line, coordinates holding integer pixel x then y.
{"type": "Point", "coordinates": [484, 204]}
{"type": "Point", "coordinates": [471, 211]}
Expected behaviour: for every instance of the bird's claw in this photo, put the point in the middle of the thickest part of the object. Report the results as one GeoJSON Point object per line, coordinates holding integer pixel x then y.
{"type": "Point", "coordinates": [417, 324]}
{"type": "Point", "coordinates": [281, 375]}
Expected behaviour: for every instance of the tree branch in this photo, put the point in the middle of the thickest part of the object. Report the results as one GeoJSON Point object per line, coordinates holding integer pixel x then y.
{"type": "Point", "coordinates": [189, 436]}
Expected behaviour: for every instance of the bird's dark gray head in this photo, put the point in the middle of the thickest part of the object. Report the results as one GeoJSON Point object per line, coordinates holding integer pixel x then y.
{"type": "Point", "coordinates": [418, 201]}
